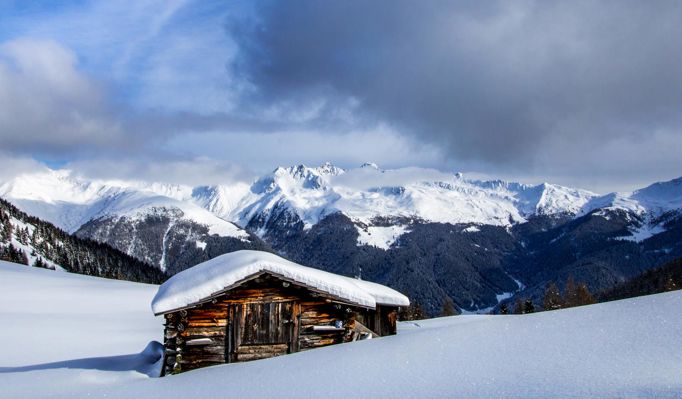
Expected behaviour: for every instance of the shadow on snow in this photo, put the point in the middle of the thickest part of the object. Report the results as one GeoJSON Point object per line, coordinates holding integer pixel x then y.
{"type": "Point", "coordinates": [146, 362]}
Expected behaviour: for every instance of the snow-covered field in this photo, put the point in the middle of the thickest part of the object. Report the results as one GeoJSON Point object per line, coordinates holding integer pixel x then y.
{"type": "Point", "coordinates": [65, 334]}
{"type": "Point", "coordinates": [71, 336]}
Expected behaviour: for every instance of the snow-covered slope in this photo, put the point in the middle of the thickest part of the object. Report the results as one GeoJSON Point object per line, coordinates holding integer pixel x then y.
{"type": "Point", "coordinates": [30, 241]}
{"type": "Point", "coordinates": [648, 208]}
{"type": "Point", "coordinates": [69, 201]}
{"type": "Point", "coordinates": [67, 334]}
{"type": "Point", "coordinates": [655, 199]}
{"type": "Point", "coordinates": [57, 315]}
{"type": "Point", "coordinates": [21, 242]}
{"type": "Point", "coordinates": [78, 336]}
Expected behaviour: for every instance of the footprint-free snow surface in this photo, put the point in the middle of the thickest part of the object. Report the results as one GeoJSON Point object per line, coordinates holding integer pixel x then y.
{"type": "Point", "coordinates": [68, 336]}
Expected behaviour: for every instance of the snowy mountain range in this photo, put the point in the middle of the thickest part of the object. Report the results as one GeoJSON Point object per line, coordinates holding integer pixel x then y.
{"type": "Point", "coordinates": [366, 195]}
{"type": "Point", "coordinates": [341, 219]}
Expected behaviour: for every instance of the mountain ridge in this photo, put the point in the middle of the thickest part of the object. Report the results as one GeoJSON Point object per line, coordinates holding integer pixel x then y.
{"type": "Point", "coordinates": [314, 192]}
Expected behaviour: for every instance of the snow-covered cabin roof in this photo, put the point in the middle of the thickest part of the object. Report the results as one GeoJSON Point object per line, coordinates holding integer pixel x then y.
{"type": "Point", "coordinates": [206, 279]}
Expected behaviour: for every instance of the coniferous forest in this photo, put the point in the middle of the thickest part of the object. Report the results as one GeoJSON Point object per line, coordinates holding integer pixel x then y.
{"type": "Point", "coordinates": [31, 241]}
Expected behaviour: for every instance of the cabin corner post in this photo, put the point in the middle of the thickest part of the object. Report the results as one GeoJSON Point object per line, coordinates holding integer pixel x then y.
{"type": "Point", "coordinates": [393, 321]}
{"type": "Point", "coordinates": [349, 323]}
{"type": "Point", "coordinates": [296, 329]}
{"type": "Point", "coordinates": [171, 355]}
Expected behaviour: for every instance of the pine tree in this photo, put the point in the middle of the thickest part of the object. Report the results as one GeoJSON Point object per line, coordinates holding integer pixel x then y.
{"type": "Point", "coordinates": [670, 284]}
{"type": "Point", "coordinates": [413, 312]}
{"type": "Point", "coordinates": [552, 299]}
{"type": "Point", "coordinates": [5, 227]}
{"type": "Point", "coordinates": [22, 258]}
{"type": "Point", "coordinates": [583, 295]}
{"type": "Point", "coordinates": [518, 306]}
{"type": "Point", "coordinates": [448, 307]}
{"type": "Point", "coordinates": [7, 230]}
{"type": "Point", "coordinates": [528, 306]}
{"type": "Point", "coordinates": [504, 309]}
{"type": "Point", "coordinates": [22, 235]}
{"type": "Point", "coordinates": [570, 293]}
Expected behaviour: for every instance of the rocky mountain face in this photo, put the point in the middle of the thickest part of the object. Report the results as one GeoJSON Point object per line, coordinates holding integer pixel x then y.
{"type": "Point", "coordinates": [430, 234]}
{"type": "Point", "coordinates": [165, 237]}
{"type": "Point", "coordinates": [602, 248]}
{"type": "Point", "coordinates": [480, 265]}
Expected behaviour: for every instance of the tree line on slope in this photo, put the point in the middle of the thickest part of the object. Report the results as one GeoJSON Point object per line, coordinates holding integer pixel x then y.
{"type": "Point", "coordinates": [574, 294]}
{"type": "Point", "coordinates": [661, 279]}
{"type": "Point", "coordinates": [74, 254]}
{"type": "Point", "coordinates": [653, 281]}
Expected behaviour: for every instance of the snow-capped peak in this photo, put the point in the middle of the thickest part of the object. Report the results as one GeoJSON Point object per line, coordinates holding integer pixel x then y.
{"type": "Point", "coordinates": [655, 199]}
{"type": "Point", "coordinates": [366, 193]}
{"type": "Point", "coordinates": [371, 165]}
{"type": "Point", "coordinates": [661, 196]}
{"type": "Point", "coordinates": [329, 169]}
{"type": "Point", "coordinates": [300, 176]}
{"type": "Point", "coordinates": [69, 201]}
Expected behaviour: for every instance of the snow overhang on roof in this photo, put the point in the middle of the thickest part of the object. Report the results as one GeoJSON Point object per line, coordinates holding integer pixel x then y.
{"type": "Point", "coordinates": [206, 279]}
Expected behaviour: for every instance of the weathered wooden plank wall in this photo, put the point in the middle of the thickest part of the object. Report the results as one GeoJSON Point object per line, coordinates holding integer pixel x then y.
{"type": "Point", "coordinates": [320, 313]}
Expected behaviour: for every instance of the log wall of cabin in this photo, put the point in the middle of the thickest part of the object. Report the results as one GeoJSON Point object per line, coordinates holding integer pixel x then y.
{"type": "Point", "coordinates": [382, 320]}
{"type": "Point", "coordinates": [198, 336]}
{"type": "Point", "coordinates": [320, 313]}
{"type": "Point", "coordinates": [387, 317]}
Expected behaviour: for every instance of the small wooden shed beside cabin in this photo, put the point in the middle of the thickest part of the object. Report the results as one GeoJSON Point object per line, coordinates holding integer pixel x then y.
{"type": "Point", "coordinates": [250, 305]}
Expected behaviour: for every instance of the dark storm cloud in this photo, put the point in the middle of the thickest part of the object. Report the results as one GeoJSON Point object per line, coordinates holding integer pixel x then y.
{"type": "Point", "coordinates": [502, 83]}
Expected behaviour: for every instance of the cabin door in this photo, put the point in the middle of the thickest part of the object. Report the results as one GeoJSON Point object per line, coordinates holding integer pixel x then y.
{"type": "Point", "coordinates": [259, 330]}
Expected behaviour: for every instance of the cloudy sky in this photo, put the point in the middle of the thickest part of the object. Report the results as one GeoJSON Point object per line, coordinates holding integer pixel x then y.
{"type": "Point", "coordinates": [585, 94]}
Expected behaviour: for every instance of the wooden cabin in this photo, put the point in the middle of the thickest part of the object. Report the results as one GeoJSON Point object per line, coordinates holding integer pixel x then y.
{"type": "Point", "coordinates": [250, 305]}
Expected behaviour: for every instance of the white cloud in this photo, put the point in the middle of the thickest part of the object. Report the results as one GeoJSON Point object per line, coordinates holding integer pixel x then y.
{"type": "Point", "coordinates": [192, 171]}
{"type": "Point", "coordinates": [261, 152]}
{"type": "Point", "coordinates": [12, 166]}
{"type": "Point", "coordinates": [47, 105]}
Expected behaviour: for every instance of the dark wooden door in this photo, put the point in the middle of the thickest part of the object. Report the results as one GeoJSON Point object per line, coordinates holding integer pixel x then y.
{"type": "Point", "coordinates": [259, 330]}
